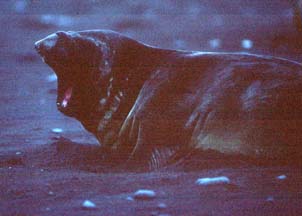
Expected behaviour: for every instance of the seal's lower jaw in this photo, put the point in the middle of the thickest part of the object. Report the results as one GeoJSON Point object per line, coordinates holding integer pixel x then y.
{"type": "Point", "coordinates": [67, 112]}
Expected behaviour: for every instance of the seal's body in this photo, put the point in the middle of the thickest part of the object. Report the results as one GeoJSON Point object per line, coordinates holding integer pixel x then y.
{"type": "Point", "coordinates": [150, 104]}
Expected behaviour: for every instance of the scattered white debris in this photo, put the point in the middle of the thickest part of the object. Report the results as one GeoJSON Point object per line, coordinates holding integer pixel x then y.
{"type": "Point", "coordinates": [57, 130]}
{"type": "Point", "coordinates": [270, 199]}
{"type": "Point", "coordinates": [247, 44]}
{"type": "Point", "coordinates": [52, 78]}
{"type": "Point", "coordinates": [281, 177]}
{"type": "Point", "coordinates": [215, 43]}
{"type": "Point", "coordinates": [144, 194]}
{"type": "Point", "coordinates": [87, 204]}
{"type": "Point", "coordinates": [18, 153]}
{"type": "Point", "coordinates": [213, 181]}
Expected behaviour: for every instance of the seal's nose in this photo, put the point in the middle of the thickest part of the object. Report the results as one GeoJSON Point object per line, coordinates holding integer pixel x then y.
{"type": "Point", "coordinates": [39, 46]}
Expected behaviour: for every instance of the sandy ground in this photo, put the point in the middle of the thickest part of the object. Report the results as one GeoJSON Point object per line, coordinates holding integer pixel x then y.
{"type": "Point", "coordinates": [44, 172]}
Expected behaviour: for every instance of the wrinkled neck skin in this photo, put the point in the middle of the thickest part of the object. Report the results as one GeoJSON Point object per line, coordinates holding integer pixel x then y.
{"type": "Point", "coordinates": [123, 71]}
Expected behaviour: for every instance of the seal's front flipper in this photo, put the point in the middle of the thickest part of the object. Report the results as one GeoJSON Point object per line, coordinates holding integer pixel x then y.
{"type": "Point", "coordinates": [150, 158]}
{"type": "Point", "coordinates": [161, 157]}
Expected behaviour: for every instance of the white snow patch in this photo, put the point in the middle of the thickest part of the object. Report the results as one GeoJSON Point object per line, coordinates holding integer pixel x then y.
{"type": "Point", "coordinates": [52, 78]}
{"type": "Point", "coordinates": [57, 130]}
{"type": "Point", "coordinates": [129, 198]}
{"type": "Point", "coordinates": [215, 43]}
{"type": "Point", "coordinates": [144, 194]}
{"type": "Point", "coordinates": [281, 177]}
{"type": "Point", "coordinates": [247, 43]}
{"type": "Point", "coordinates": [87, 204]}
{"type": "Point", "coordinates": [213, 181]}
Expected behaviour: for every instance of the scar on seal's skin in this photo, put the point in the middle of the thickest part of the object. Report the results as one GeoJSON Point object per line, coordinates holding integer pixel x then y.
{"type": "Point", "coordinates": [149, 105]}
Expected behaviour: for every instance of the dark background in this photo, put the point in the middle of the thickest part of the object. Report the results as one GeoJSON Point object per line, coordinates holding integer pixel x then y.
{"type": "Point", "coordinates": [34, 161]}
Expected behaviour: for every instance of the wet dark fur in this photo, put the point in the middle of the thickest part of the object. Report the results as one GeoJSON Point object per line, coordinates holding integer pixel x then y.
{"type": "Point", "coordinates": [162, 103]}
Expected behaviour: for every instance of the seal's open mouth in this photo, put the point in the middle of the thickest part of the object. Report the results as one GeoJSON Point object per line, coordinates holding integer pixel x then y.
{"type": "Point", "coordinates": [66, 98]}
{"type": "Point", "coordinates": [65, 102]}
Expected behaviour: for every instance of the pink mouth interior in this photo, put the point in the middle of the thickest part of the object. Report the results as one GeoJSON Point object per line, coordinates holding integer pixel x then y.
{"type": "Point", "coordinates": [67, 97]}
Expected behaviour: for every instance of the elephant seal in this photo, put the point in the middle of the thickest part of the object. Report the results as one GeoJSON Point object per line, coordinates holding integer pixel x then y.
{"type": "Point", "coordinates": [149, 105]}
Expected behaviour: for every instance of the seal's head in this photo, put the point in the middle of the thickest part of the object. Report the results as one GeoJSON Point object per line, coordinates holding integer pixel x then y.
{"type": "Point", "coordinates": [82, 67]}
{"type": "Point", "coordinates": [100, 74]}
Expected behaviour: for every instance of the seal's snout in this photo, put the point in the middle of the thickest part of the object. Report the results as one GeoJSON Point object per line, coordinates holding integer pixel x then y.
{"type": "Point", "coordinates": [41, 48]}
{"type": "Point", "coordinates": [46, 44]}
{"type": "Point", "coordinates": [38, 46]}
